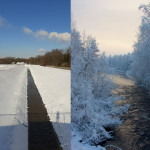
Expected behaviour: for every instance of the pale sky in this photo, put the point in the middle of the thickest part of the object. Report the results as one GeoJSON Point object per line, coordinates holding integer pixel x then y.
{"type": "Point", "coordinates": [114, 23]}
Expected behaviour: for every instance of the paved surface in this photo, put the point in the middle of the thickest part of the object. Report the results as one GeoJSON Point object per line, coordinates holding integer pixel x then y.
{"type": "Point", "coordinates": [41, 135]}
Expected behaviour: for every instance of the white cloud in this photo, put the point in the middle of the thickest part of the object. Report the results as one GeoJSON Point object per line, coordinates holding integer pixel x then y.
{"type": "Point", "coordinates": [4, 22]}
{"type": "Point", "coordinates": [27, 30]}
{"type": "Point", "coordinates": [42, 34]}
{"type": "Point", "coordinates": [65, 37]}
{"type": "Point", "coordinates": [41, 50]}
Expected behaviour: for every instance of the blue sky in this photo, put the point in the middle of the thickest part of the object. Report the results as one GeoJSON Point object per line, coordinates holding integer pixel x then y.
{"type": "Point", "coordinates": [31, 27]}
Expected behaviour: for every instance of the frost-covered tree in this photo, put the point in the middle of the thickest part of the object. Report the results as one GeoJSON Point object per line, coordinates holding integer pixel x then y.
{"type": "Point", "coordinates": [141, 55]}
{"type": "Point", "coordinates": [121, 63]}
{"type": "Point", "coordinates": [93, 109]}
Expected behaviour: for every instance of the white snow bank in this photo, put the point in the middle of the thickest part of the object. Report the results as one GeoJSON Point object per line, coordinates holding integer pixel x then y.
{"type": "Point", "coordinates": [13, 108]}
{"type": "Point", "coordinates": [6, 67]}
{"type": "Point", "coordinates": [76, 145]}
{"type": "Point", "coordinates": [20, 63]}
{"type": "Point", "coordinates": [54, 87]}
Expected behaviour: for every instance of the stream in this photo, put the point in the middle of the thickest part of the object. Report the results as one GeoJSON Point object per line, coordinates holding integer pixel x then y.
{"type": "Point", "coordinates": [134, 132]}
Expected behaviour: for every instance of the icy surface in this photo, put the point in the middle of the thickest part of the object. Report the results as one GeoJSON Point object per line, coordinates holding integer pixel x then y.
{"type": "Point", "coordinates": [54, 87]}
{"type": "Point", "coordinates": [13, 107]}
{"type": "Point", "coordinates": [119, 80]}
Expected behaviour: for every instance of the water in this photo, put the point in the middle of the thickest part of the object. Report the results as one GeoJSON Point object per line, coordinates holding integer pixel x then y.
{"type": "Point", "coordinates": [134, 132]}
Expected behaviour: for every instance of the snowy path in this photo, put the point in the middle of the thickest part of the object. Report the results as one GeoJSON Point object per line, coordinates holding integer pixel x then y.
{"type": "Point", "coordinates": [13, 107]}
{"type": "Point", "coordinates": [40, 131]}
{"type": "Point", "coordinates": [54, 88]}
{"type": "Point", "coordinates": [133, 133]}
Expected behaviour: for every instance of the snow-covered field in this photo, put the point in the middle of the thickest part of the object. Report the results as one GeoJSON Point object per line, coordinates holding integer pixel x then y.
{"type": "Point", "coordinates": [13, 107]}
{"type": "Point", "coordinates": [6, 67]}
{"type": "Point", "coordinates": [53, 85]}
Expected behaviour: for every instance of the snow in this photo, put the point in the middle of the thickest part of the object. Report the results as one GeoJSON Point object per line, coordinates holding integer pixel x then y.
{"type": "Point", "coordinates": [20, 63]}
{"type": "Point", "coordinates": [76, 145]}
{"type": "Point", "coordinates": [6, 67]}
{"type": "Point", "coordinates": [13, 107]}
{"type": "Point", "coordinates": [93, 104]}
{"type": "Point", "coordinates": [54, 87]}
{"type": "Point", "coordinates": [141, 56]}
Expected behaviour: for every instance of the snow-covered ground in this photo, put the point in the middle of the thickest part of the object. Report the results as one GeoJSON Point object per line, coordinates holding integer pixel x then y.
{"type": "Point", "coordinates": [76, 145]}
{"type": "Point", "coordinates": [54, 87]}
{"type": "Point", "coordinates": [6, 67]}
{"type": "Point", "coordinates": [13, 107]}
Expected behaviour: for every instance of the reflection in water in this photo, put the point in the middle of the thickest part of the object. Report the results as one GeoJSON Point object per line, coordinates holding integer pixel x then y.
{"type": "Point", "coordinates": [134, 132]}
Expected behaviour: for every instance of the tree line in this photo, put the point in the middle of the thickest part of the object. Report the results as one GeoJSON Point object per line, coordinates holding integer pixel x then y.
{"type": "Point", "coordinates": [93, 108]}
{"type": "Point", "coordinates": [121, 63]}
{"type": "Point", "coordinates": [141, 55]}
{"type": "Point", "coordinates": [56, 57]}
{"type": "Point", "coordinates": [137, 64]}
